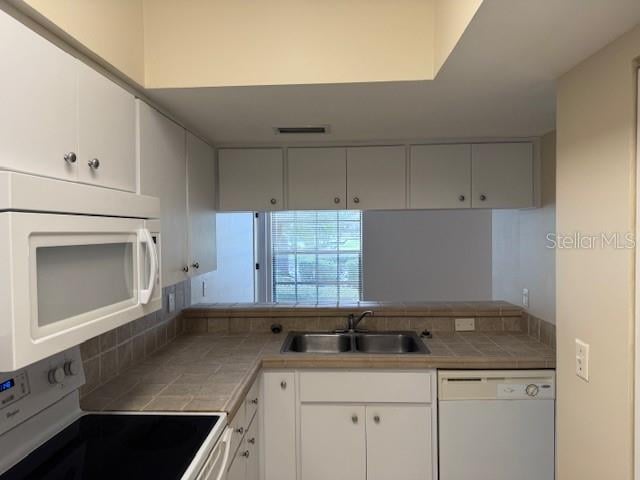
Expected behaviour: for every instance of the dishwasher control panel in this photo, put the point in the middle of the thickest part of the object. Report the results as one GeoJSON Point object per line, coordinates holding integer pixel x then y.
{"type": "Point", "coordinates": [525, 390]}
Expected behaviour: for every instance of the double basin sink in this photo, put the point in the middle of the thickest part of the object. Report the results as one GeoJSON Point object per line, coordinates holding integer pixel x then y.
{"type": "Point", "coordinates": [356, 342]}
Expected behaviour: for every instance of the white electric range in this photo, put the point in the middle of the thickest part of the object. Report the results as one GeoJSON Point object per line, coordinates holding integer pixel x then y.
{"type": "Point", "coordinates": [45, 435]}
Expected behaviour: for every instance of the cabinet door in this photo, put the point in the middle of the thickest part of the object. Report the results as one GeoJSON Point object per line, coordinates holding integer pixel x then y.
{"type": "Point", "coordinates": [333, 443]}
{"type": "Point", "coordinates": [202, 202]}
{"type": "Point", "coordinates": [250, 179]}
{"type": "Point", "coordinates": [502, 175]}
{"type": "Point", "coordinates": [38, 97]}
{"type": "Point", "coordinates": [252, 441]}
{"type": "Point", "coordinates": [376, 178]}
{"type": "Point", "coordinates": [279, 422]}
{"type": "Point", "coordinates": [440, 176]}
{"type": "Point", "coordinates": [399, 442]}
{"type": "Point", "coordinates": [107, 132]}
{"type": "Point", "coordinates": [317, 178]}
{"type": "Point", "coordinates": [238, 468]}
{"type": "Point", "coordinates": [163, 174]}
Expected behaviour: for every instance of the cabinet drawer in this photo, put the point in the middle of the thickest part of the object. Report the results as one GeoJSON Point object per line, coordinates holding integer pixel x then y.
{"type": "Point", "coordinates": [366, 387]}
{"type": "Point", "coordinates": [251, 402]}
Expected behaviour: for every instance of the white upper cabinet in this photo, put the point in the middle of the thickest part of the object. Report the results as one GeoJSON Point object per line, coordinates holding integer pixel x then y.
{"type": "Point", "coordinates": [201, 204]}
{"type": "Point", "coordinates": [107, 122]}
{"type": "Point", "coordinates": [440, 176]}
{"type": "Point", "coordinates": [251, 179]}
{"type": "Point", "coordinates": [376, 178]}
{"type": "Point", "coordinates": [163, 174]}
{"type": "Point", "coordinates": [502, 175]}
{"type": "Point", "coordinates": [317, 178]}
{"type": "Point", "coordinates": [38, 98]}
{"type": "Point", "coordinates": [61, 118]}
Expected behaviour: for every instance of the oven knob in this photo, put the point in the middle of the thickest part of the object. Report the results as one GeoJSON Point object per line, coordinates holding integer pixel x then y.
{"type": "Point", "coordinates": [56, 375]}
{"type": "Point", "coordinates": [71, 368]}
{"type": "Point", "coordinates": [532, 390]}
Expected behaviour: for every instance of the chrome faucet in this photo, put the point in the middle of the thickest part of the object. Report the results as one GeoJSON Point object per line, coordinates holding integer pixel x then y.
{"type": "Point", "coordinates": [353, 321]}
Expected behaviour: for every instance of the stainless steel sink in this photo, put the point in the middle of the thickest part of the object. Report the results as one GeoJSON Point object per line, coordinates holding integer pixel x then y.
{"type": "Point", "coordinates": [354, 343]}
{"type": "Point", "coordinates": [389, 343]}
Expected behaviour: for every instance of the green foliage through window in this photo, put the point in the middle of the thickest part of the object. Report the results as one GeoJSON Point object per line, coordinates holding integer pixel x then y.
{"type": "Point", "coordinates": [316, 256]}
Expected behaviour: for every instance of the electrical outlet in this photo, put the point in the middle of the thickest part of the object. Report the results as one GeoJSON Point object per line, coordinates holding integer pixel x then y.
{"type": "Point", "coordinates": [525, 297]}
{"type": "Point", "coordinates": [582, 360]}
{"type": "Point", "coordinates": [465, 324]}
{"type": "Point", "coordinates": [172, 302]}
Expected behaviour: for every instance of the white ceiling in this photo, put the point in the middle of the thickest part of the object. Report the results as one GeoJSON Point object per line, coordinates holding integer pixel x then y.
{"type": "Point", "coordinates": [498, 82]}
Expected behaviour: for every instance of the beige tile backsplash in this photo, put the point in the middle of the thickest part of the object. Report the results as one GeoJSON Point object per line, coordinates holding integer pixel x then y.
{"type": "Point", "coordinates": [107, 355]}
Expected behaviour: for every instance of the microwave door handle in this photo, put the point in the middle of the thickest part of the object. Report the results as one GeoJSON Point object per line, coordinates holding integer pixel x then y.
{"type": "Point", "coordinates": [145, 294]}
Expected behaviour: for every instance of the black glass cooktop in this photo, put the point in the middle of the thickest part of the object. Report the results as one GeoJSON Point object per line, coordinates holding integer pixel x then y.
{"type": "Point", "coordinates": [117, 447]}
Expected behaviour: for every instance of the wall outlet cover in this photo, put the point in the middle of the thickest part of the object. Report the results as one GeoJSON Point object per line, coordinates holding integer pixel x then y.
{"type": "Point", "coordinates": [582, 359]}
{"type": "Point", "coordinates": [465, 324]}
{"type": "Point", "coordinates": [172, 302]}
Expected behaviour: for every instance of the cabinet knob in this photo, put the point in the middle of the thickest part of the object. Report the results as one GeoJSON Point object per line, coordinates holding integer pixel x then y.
{"type": "Point", "coordinates": [195, 265]}
{"type": "Point", "coordinates": [273, 201]}
{"type": "Point", "coordinates": [336, 200]}
{"type": "Point", "coordinates": [94, 163]}
{"type": "Point", "coordinates": [240, 430]}
{"type": "Point", "coordinates": [376, 418]}
{"type": "Point", "coordinates": [283, 385]}
{"type": "Point", "coordinates": [253, 401]}
{"type": "Point", "coordinates": [356, 200]}
{"type": "Point", "coordinates": [252, 440]}
{"type": "Point", "coordinates": [461, 198]}
{"type": "Point", "coordinates": [246, 454]}
{"type": "Point", "coordinates": [483, 197]}
{"type": "Point", "coordinates": [354, 418]}
{"type": "Point", "coordinates": [185, 269]}
{"type": "Point", "coordinates": [70, 157]}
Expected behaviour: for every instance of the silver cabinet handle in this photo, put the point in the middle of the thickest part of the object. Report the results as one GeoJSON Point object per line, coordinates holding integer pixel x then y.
{"type": "Point", "coordinates": [252, 440]}
{"type": "Point", "coordinates": [356, 200]}
{"type": "Point", "coordinates": [376, 418]}
{"type": "Point", "coordinates": [240, 430]}
{"type": "Point", "coordinates": [461, 198]}
{"type": "Point", "coordinates": [195, 265]}
{"type": "Point", "coordinates": [283, 385]}
{"type": "Point", "coordinates": [245, 454]}
{"type": "Point", "coordinates": [94, 163]}
{"type": "Point", "coordinates": [70, 157]}
{"type": "Point", "coordinates": [273, 201]}
{"type": "Point", "coordinates": [483, 197]}
{"type": "Point", "coordinates": [185, 269]}
{"type": "Point", "coordinates": [354, 418]}
{"type": "Point", "coordinates": [336, 200]}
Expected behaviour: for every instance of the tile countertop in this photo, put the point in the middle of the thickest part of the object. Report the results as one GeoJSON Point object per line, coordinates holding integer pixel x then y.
{"type": "Point", "coordinates": [408, 309]}
{"type": "Point", "coordinates": [212, 372]}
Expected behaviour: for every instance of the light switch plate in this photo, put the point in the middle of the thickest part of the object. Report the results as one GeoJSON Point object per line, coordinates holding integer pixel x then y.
{"type": "Point", "coordinates": [172, 302]}
{"type": "Point", "coordinates": [465, 324]}
{"type": "Point", "coordinates": [582, 359]}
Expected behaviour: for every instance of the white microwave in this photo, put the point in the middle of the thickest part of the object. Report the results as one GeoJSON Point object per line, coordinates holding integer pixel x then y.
{"type": "Point", "coordinates": [67, 277]}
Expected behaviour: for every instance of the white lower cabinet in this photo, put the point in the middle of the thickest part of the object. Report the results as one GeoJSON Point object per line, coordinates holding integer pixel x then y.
{"type": "Point", "coordinates": [333, 442]}
{"type": "Point", "coordinates": [350, 425]}
{"type": "Point", "coordinates": [246, 442]}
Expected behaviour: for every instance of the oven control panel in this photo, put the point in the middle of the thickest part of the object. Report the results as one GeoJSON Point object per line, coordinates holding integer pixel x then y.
{"type": "Point", "coordinates": [13, 388]}
{"type": "Point", "coordinates": [25, 392]}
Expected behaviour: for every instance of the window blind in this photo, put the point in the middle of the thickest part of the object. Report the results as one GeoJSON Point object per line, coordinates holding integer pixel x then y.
{"type": "Point", "coordinates": [316, 256]}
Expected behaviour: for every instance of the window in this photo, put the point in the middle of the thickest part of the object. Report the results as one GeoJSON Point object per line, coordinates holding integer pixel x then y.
{"type": "Point", "coordinates": [316, 256]}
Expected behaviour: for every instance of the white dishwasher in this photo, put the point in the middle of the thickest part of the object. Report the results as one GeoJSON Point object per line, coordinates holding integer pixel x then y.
{"type": "Point", "coordinates": [497, 424]}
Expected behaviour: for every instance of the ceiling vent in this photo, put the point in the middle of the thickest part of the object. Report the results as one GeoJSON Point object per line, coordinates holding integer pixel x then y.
{"type": "Point", "coordinates": [303, 130]}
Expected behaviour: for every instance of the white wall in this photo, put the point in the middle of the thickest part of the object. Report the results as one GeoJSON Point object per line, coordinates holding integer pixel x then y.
{"type": "Point", "coordinates": [233, 281]}
{"type": "Point", "coordinates": [521, 258]}
{"type": "Point", "coordinates": [435, 255]}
